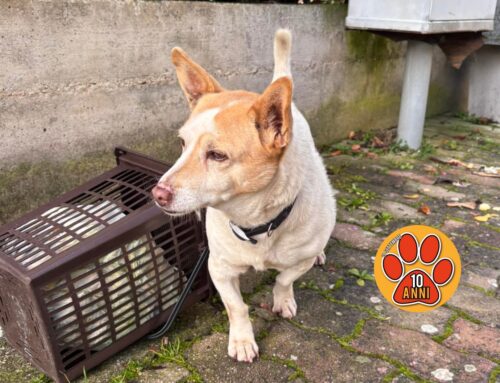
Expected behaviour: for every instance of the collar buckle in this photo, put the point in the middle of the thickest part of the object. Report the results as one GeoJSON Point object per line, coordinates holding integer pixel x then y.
{"type": "Point", "coordinates": [270, 230]}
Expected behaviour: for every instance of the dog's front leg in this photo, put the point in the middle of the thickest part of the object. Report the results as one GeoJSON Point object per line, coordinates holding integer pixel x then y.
{"type": "Point", "coordinates": [283, 297]}
{"type": "Point", "coordinates": [242, 344]}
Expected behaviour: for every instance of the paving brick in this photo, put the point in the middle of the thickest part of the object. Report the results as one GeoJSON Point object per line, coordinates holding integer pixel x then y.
{"type": "Point", "coordinates": [320, 358]}
{"type": "Point", "coordinates": [167, 373]}
{"type": "Point", "coordinates": [423, 179]}
{"type": "Point", "coordinates": [451, 226]}
{"type": "Point", "coordinates": [209, 357]}
{"type": "Point", "coordinates": [316, 311]}
{"type": "Point", "coordinates": [370, 297]}
{"type": "Point", "coordinates": [356, 237]}
{"type": "Point", "coordinates": [398, 210]}
{"type": "Point", "coordinates": [476, 303]}
{"type": "Point", "coordinates": [475, 179]}
{"type": "Point", "coordinates": [486, 278]}
{"type": "Point", "coordinates": [440, 193]}
{"type": "Point", "coordinates": [470, 337]}
{"type": "Point", "coordinates": [421, 354]}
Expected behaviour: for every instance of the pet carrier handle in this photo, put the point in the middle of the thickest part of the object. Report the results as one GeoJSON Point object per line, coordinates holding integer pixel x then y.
{"type": "Point", "coordinates": [201, 261]}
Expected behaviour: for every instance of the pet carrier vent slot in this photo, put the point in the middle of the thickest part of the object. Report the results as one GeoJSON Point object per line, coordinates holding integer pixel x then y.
{"type": "Point", "coordinates": [70, 297]}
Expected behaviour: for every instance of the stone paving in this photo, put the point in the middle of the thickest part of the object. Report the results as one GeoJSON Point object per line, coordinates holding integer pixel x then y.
{"type": "Point", "coordinates": [345, 331]}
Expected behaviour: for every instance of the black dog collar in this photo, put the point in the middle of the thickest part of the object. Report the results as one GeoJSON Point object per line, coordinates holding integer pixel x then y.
{"type": "Point", "coordinates": [269, 227]}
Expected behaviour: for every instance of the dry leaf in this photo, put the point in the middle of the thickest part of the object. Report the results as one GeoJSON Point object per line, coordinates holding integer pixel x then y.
{"type": "Point", "coordinates": [377, 142]}
{"type": "Point", "coordinates": [424, 209]}
{"type": "Point", "coordinates": [336, 153]}
{"type": "Point", "coordinates": [411, 196]}
{"type": "Point", "coordinates": [484, 207]}
{"type": "Point", "coordinates": [485, 218]}
{"type": "Point", "coordinates": [453, 162]}
{"type": "Point", "coordinates": [372, 155]}
{"type": "Point", "coordinates": [351, 135]}
{"type": "Point", "coordinates": [468, 205]}
{"type": "Point", "coordinates": [430, 169]}
{"type": "Point", "coordinates": [356, 148]}
{"type": "Point", "coordinates": [461, 184]}
{"type": "Point", "coordinates": [482, 174]}
{"type": "Point", "coordinates": [165, 341]}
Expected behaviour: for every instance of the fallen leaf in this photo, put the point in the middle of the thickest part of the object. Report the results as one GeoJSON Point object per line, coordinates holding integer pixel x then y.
{"type": "Point", "coordinates": [377, 142]}
{"type": "Point", "coordinates": [482, 174]}
{"type": "Point", "coordinates": [351, 134]}
{"type": "Point", "coordinates": [424, 209]}
{"type": "Point", "coordinates": [411, 196]}
{"type": "Point", "coordinates": [461, 184]}
{"type": "Point", "coordinates": [430, 169]}
{"type": "Point", "coordinates": [484, 207]}
{"type": "Point", "coordinates": [453, 162]}
{"type": "Point", "coordinates": [164, 341]}
{"type": "Point", "coordinates": [356, 148]}
{"type": "Point", "coordinates": [372, 155]}
{"type": "Point", "coordinates": [461, 137]}
{"type": "Point", "coordinates": [485, 120]}
{"type": "Point", "coordinates": [496, 208]}
{"type": "Point", "coordinates": [336, 153]}
{"type": "Point", "coordinates": [485, 218]}
{"type": "Point", "coordinates": [489, 169]}
{"type": "Point", "coordinates": [468, 205]}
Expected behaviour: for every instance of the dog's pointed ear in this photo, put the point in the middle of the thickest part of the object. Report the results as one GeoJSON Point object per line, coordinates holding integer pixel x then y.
{"type": "Point", "coordinates": [193, 79]}
{"type": "Point", "coordinates": [273, 115]}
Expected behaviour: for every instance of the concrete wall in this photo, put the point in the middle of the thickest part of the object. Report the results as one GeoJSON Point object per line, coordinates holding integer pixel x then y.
{"type": "Point", "coordinates": [482, 83]}
{"type": "Point", "coordinates": [480, 77]}
{"type": "Point", "coordinates": [79, 77]}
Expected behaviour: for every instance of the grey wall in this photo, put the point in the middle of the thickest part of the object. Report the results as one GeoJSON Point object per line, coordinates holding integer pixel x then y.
{"type": "Point", "coordinates": [493, 37]}
{"type": "Point", "coordinates": [78, 77]}
{"type": "Point", "coordinates": [482, 83]}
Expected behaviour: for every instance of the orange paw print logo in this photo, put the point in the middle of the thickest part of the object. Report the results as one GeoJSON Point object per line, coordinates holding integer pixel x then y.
{"type": "Point", "coordinates": [417, 268]}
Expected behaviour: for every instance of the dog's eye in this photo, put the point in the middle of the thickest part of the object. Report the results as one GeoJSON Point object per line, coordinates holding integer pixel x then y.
{"type": "Point", "coordinates": [183, 143]}
{"type": "Point", "coordinates": [216, 156]}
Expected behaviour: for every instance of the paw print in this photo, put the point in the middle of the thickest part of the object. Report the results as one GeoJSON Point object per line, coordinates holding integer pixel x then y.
{"type": "Point", "coordinates": [417, 286]}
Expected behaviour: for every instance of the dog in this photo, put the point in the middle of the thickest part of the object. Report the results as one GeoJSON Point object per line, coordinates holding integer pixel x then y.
{"type": "Point", "coordinates": [250, 160]}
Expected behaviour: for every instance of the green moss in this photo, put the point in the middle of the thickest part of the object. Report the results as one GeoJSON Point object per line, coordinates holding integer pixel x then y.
{"type": "Point", "coordinates": [489, 293]}
{"type": "Point", "coordinates": [173, 353]}
{"type": "Point", "coordinates": [335, 118]}
{"type": "Point", "coordinates": [367, 47]}
{"type": "Point", "coordinates": [462, 314]}
{"type": "Point", "coordinates": [448, 329]}
{"type": "Point", "coordinates": [440, 98]}
{"type": "Point", "coordinates": [356, 332]}
{"type": "Point", "coordinates": [494, 374]}
{"type": "Point", "coordinates": [297, 372]}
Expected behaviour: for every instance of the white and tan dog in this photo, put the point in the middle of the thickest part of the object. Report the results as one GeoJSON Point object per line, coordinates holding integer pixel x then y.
{"type": "Point", "coordinates": [247, 157]}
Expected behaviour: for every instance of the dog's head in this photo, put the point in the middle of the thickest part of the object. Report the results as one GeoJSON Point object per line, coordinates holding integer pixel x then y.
{"type": "Point", "coordinates": [232, 141]}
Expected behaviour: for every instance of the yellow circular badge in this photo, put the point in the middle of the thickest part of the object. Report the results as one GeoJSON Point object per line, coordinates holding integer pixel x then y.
{"type": "Point", "coordinates": [417, 268]}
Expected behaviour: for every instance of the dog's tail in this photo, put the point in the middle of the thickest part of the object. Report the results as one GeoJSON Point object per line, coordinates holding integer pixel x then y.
{"type": "Point", "coordinates": [282, 51]}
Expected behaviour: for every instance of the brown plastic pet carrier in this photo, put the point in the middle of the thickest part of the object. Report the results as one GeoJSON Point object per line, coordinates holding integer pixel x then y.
{"type": "Point", "coordinates": [96, 269]}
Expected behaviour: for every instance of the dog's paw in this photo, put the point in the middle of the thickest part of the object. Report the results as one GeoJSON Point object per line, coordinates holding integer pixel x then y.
{"type": "Point", "coordinates": [243, 349]}
{"type": "Point", "coordinates": [320, 259]}
{"type": "Point", "coordinates": [286, 307]}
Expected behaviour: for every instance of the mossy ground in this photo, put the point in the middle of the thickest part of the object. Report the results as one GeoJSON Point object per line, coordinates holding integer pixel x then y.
{"type": "Point", "coordinates": [342, 312]}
